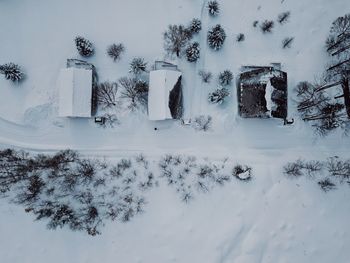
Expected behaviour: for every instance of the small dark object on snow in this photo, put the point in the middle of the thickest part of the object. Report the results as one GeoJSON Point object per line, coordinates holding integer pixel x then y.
{"type": "Point", "coordinates": [100, 120]}
{"type": "Point", "coordinates": [255, 23]}
{"type": "Point", "coordinates": [155, 128]}
{"type": "Point", "coordinates": [287, 42]}
{"type": "Point", "coordinates": [288, 122]}
{"type": "Point", "coordinates": [213, 8]}
{"type": "Point", "coordinates": [240, 37]}
{"type": "Point", "coordinates": [283, 17]}
{"type": "Point", "coordinates": [266, 26]}
{"type": "Point", "coordinates": [84, 46]}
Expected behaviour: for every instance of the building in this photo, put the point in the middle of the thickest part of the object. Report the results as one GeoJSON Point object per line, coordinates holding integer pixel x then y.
{"type": "Point", "coordinates": [165, 92]}
{"type": "Point", "coordinates": [75, 85]}
{"type": "Point", "coordinates": [262, 92]}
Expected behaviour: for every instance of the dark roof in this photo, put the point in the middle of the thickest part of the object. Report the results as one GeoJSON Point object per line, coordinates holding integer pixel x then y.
{"type": "Point", "coordinates": [251, 91]}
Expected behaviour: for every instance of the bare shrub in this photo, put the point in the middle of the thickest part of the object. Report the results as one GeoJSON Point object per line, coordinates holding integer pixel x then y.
{"type": "Point", "coordinates": [287, 42]}
{"type": "Point", "coordinates": [206, 76]}
{"type": "Point", "coordinates": [338, 167]}
{"type": "Point", "coordinates": [326, 185]}
{"type": "Point", "coordinates": [115, 51]}
{"type": "Point", "coordinates": [301, 168]}
{"type": "Point", "coordinates": [283, 17]}
{"type": "Point", "coordinates": [202, 123]}
{"type": "Point", "coordinates": [240, 37]}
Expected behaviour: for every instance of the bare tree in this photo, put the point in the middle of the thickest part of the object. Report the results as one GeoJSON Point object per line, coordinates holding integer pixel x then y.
{"type": "Point", "coordinates": [135, 91]}
{"type": "Point", "coordinates": [175, 39]}
{"type": "Point", "coordinates": [107, 94]}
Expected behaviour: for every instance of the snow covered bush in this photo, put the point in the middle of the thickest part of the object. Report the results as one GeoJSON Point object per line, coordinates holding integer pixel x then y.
{"type": "Point", "coordinates": [216, 37]}
{"type": "Point", "coordinates": [106, 94]}
{"type": "Point", "coordinates": [12, 72]}
{"type": "Point", "coordinates": [206, 76]}
{"type": "Point", "coordinates": [287, 42]}
{"type": "Point", "coordinates": [137, 66]}
{"type": "Point", "coordinates": [115, 51]}
{"type": "Point", "coordinates": [266, 26]}
{"type": "Point", "coordinates": [202, 123]}
{"type": "Point", "coordinates": [225, 78]}
{"type": "Point", "coordinates": [240, 37]}
{"type": "Point", "coordinates": [218, 96]}
{"type": "Point", "coordinates": [283, 17]}
{"type": "Point", "coordinates": [193, 52]}
{"type": "Point", "coordinates": [242, 172]}
{"type": "Point", "coordinates": [84, 46]}
{"type": "Point", "coordinates": [176, 39]}
{"type": "Point", "coordinates": [213, 8]}
{"type": "Point", "coordinates": [195, 26]}
{"type": "Point", "coordinates": [135, 91]}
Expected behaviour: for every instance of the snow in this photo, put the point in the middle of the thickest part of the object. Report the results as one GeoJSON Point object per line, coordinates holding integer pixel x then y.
{"type": "Point", "coordinates": [160, 84]}
{"type": "Point", "coordinates": [75, 92]}
{"type": "Point", "coordinates": [268, 94]}
{"type": "Point", "coordinates": [269, 219]}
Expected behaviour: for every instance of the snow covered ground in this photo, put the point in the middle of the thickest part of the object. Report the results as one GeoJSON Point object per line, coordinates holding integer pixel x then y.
{"type": "Point", "coordinates": [271, 219]}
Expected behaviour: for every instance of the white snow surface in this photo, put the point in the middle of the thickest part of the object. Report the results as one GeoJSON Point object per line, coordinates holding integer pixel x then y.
{"type": "Point", "coordinates": [161, 82]}
{"type": "Point", "coordinates": [75, 92]}
{"type": "Point", "coordinates": [269, 219]}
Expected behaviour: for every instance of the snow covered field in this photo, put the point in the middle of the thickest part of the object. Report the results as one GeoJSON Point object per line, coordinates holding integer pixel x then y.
{"type": "Point", "coordinates": [270, 219]}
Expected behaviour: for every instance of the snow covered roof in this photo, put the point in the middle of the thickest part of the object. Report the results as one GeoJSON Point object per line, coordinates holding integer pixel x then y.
{"type": "Point", "coordinates": [75, 92]}
{"type": "Point", "coordinates": [162, 83]}
{"type": "Point", "coordinates": [262, 92]}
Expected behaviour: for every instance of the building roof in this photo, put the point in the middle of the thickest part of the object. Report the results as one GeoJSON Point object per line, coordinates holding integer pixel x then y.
{"type": "Point", "coordinates": [75, 92]}
{"type": "Point", "coordinates": [262, 92]}
{"type": "Point", "coordinates": [161, 87]}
